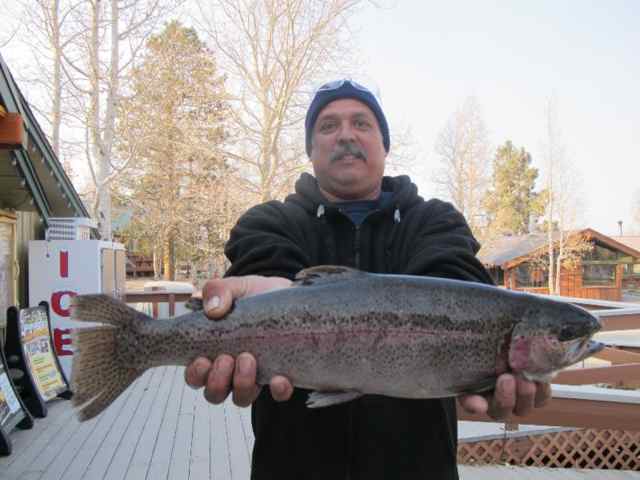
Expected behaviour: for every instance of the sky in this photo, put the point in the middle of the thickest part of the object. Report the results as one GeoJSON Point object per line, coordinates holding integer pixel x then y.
{"type": "Point", "coordinates": [426, 57]}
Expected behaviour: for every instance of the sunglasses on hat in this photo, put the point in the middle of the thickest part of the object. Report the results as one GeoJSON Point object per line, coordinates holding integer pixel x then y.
{"type": "Point", "coordinates": [336, 84]}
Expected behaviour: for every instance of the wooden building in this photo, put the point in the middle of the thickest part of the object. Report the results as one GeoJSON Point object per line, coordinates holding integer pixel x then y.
{"type": "Point", "coordinates": [631, 272]}
{"type": "Point", "coordinates": [33, 188]}
{"type": "Point", "coordinates": [600, 263]}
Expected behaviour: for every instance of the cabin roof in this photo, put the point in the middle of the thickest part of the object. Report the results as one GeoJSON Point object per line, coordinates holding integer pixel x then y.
{"type": "Point", "coordinates": [631, 241]}
{"type": "Point", "coordinates": [31, 176]}
{"type": "Point", "coordinates": [511, 250]}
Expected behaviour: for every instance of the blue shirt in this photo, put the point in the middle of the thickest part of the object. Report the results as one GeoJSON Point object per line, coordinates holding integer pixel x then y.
{"type": "Point", "coordinates": [358, 210]}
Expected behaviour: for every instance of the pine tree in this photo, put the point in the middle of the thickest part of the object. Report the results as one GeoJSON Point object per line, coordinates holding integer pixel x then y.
{"type": "Point", "coordinates": [511, 203]}
{"type": "Point", "coordinates": [173, 123]}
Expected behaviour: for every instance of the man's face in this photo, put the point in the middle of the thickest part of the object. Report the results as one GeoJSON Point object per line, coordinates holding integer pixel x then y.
{"type": "Point", "coordinates": [347, 152]}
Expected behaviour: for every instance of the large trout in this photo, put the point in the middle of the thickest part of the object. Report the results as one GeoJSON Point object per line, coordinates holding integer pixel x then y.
{"type": "Point", "coordinates": [343, 333]}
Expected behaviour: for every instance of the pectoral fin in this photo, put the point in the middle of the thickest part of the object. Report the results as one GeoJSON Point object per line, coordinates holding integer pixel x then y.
{"type": "Point", "coordinates": [326, 399]}
{"type": "Point", "coordinates": [194, 304]}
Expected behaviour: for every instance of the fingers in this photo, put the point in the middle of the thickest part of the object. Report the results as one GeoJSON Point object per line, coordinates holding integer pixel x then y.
{"type": "Point", "coordinates": [504, 398]}
{"type": "Point", "coordinates": [517, 396]}
{"type": "Point", "coordinates": [525, 396]}
{"type": "Point", "coordinates": [245, 390]}
{"type": "Point", "coordinates": [223, 376]}
{"type": "Point", "coordinates": [218, 294]}
{"type": "Point", "coordinates": [474, 404]}
{"type": "Point", "coordinates": [197, 371]}
{"type": "Point", "coordinates": [543, 394]}
{"type": "Point", "coordinates": [219, 379]}
{"type": "Point", "coordinates": [281, 388]}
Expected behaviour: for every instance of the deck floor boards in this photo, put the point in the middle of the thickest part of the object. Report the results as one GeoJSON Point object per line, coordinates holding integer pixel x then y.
{"type": "Point", "coordinates": [41, 434]}
{"type": "Point", "coordinates": [139, 463]}
{"type": "Point", "coordinates": [162, 455]}
{"type": "Point", "coordinates": [200, 466]}
{"type": "Point", "coordinates": [89, 439]}
{"type": "Point", "coordinates": [114, 458]}
{"type": "Point", "coordinates": [220, 464]}
{"type": "Point", "coordinates": [161, 429]}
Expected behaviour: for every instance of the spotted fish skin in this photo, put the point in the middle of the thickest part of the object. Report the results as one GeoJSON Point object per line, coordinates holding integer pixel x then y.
{"type": "Point", "coordinates": [339, 329]}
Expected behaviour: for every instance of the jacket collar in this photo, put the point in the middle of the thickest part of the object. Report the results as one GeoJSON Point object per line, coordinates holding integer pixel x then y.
{"type": "Point", "coordinates": [308, 195]}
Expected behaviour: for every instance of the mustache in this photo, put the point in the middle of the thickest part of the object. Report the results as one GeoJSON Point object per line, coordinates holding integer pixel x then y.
{"type": "Point", "coordinates": [349, 148]}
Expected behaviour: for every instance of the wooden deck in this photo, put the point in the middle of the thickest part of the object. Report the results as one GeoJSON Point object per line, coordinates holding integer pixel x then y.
{"type": "Point", "coordinates": [160, 428]}
{"type": "Point", "coordinates": [150, 432]}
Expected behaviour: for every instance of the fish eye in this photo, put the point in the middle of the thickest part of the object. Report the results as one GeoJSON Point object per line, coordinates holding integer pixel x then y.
{"type": "Point", "coordinates": [567, 333]}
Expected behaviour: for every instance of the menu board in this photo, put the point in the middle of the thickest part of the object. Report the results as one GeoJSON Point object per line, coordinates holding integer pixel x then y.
{"type": "Point", "coordinates": [38, 352]}
{"type": "Point", "coordinates": [9, 403]}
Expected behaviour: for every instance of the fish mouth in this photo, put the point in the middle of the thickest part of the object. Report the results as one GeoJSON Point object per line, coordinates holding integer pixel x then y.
{"type": "Point", "coordinates": [581, 349]}
{"type": "Point", "coordinates": [577, 351]}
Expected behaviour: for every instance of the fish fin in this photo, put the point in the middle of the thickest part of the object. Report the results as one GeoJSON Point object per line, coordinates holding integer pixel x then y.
{"type": "Point", "coordinates": [540, 377]}
{"type": "Point", "coordinates": [325, 399]}
{"type": "Point", "coordinates": [194, 304]}
{"type": "Point", "coordinates": [98, 376]}
{"type": "Point", "coordinates": [484, 385]}
{"type": "Point", "coordinates": [104, 309]}
{"type": "Point", "coordinates": [325, 274]}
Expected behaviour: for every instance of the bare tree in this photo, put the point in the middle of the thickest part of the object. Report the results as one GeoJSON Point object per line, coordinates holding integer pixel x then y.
{"type": "Point", "coordinates": [82, 50]}
{"type": "Point", "coordinates": [273, 52]}
{"type": "Point", "coordinates": [402, 156]}
{"type": "Point", "coordinates": [464, 152]}
{"type": "Point", "coordinates": [9, 30]}
{"type": "Point", "coordinates": [562, 198]}
{"type": "Point", "coordinates": [47, 30]}
{"type": "Point", "coordinates": [109, 36]}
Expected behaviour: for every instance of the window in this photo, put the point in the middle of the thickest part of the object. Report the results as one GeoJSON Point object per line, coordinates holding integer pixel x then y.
{"type": "Point", "coordinates": [631, 270]}
{"type": "Point", "coordinates": [530, 276]}
{"type": "Point", "coordinates": [497, 274]}
{"type": "Point", "coordinates": [598, 275]}
{"type": "Point", "coordinates": [600, 253]}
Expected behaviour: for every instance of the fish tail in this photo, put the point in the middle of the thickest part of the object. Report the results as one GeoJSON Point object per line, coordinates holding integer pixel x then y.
{"type": "Point", "coordinates": [98, 375]}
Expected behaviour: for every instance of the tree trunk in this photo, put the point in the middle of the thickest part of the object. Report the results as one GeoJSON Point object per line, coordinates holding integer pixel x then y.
{"type": "Point", "coordinates": [559, 261]}
{"type": "Point", "coordinates": [169, 257]}
{"type": "Point", "coordinates": [551, 260]}
{"type": "Point", "coordinates": [56, 116]}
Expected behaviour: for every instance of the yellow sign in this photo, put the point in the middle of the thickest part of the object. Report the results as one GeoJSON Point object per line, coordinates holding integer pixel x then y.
{"type": "Point", "coordinates": [38, 351]}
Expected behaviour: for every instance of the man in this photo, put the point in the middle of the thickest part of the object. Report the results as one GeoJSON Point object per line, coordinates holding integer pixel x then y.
{"type": "Point", "coordinates": [349, 214]}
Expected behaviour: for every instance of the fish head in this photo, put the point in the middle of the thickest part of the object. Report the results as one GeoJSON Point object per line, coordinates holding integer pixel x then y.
{"type": "Point", "coordinates": [551, 336]}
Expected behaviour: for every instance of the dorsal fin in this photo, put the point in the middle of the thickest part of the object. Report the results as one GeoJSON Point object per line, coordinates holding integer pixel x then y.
{"type": "Point", "coordinates": [325, 274]}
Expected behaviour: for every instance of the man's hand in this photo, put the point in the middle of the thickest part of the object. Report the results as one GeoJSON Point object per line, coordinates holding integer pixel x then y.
{"type": "Point", "coordinates": [226, 374]}
{"type": "Point", "coordinates": [512, 396]}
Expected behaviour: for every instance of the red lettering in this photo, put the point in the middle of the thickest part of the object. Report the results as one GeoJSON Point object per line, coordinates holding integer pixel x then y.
{"type": "Point", "coordinates": [64, 264]}
{"type": "Point", "coordinates": [56, 302]}
{"type": "Point", "coordinates": [60, 339]}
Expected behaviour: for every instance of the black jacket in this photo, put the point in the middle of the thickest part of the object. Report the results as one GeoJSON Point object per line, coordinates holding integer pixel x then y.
{"type": "Point", "coordinates": [372, 437]}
